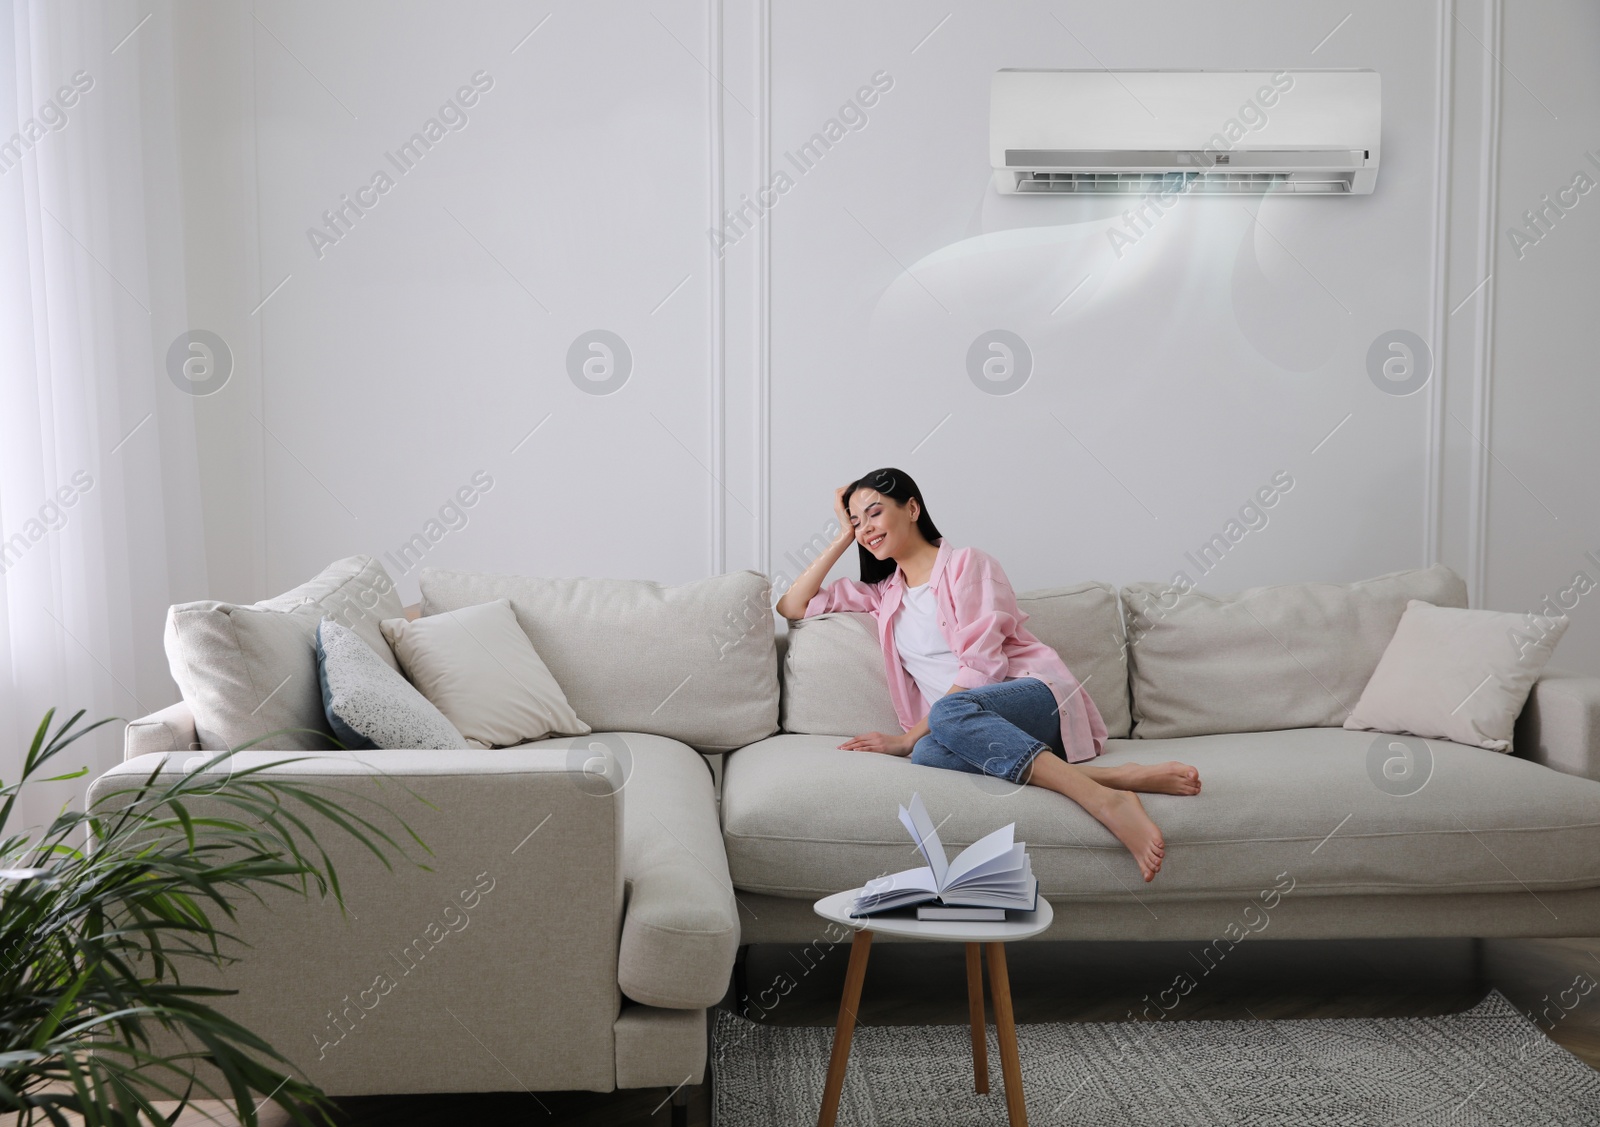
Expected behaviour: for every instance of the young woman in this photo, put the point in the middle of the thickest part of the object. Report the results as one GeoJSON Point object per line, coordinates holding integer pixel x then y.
{"type": "Point", "coordinates": [991, 696]}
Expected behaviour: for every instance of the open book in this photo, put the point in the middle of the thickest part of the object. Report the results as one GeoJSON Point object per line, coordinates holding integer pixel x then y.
{"type": "Point", "coordinates": [992, 872]}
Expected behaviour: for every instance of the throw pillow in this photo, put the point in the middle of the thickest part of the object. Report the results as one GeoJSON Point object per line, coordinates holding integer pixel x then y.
{"type": "Point", "coordinates": [478, 668]}
{"type": "Point", "coordinates": [245, 672]}
{"type": "Point", "coordinates": [369, 705]}
{"type": "Point", "coordinates": [1454, 674]}
{"type": "Point", "coordinates": [695, 662]}
{"type": "Point", "coordinates": [1295, 655]}
{"type": "Point", "coordinates": [248, 670]}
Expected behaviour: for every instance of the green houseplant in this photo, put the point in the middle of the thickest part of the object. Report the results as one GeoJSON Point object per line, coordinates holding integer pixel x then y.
{"type": "Point", "coordinates": [101, 910]}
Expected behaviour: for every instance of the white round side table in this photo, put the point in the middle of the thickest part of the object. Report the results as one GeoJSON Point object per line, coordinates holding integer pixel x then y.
{"type": "Point", "coordinates": [991, 937]}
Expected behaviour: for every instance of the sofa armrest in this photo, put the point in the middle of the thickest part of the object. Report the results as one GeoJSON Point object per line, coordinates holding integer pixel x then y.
{"type": "Point", "coordinates": [682, 927]}
{"type": "Point", "coordinates": [1560, 725]}
{"type": "Point", "coordinates": [497, 960]}
{"type": "Point", "coordinates": [169, 730]}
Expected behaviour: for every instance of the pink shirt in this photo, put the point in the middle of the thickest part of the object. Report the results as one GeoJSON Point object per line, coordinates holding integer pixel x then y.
{"type": "Point", "coordinates": [983, 626]}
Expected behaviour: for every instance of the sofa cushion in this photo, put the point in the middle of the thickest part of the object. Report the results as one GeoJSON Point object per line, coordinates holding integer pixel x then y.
{"type": "Point", "coordinates": [680, 928]}
{"type": "Point", "coordinates": [355, 592]}
{"type": "Point", "coordinates": [834, 681]}
{"type": "Point", "coordinates": [369, 705]}
{"type": "Point", "coordinates": [1266, 658]}
{"type": "Point", "coordinates": [1327, 806]}
{"type": "Point", "coordinates": [694, 663]}
{"type": "Point", "coordinates": [245, 672]}
{"type": "Point", "coordinates": [478, 667]}
{"type": "Point", "coordinates": [1083, 623]}
{"type": "Point", "coordinates": [1456, 674]}
{"type": "Point", "coordinates": [249, 670]}
{"type": "Point", "coordinates": [833, 677]}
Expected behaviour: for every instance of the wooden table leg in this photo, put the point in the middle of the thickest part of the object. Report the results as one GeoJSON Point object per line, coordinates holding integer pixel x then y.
{"type": "Point", "coordinates": [980, 1043]}
{"type": "Point", "coordinates": [1006, 1034]}
{"type": "Point", "coordinates": [854, 975]}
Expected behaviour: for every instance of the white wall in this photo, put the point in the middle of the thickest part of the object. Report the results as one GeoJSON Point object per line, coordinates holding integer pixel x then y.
{"type": "Point", "coordinates": [423, 347]}
{"type": "Point", "coordinates": [1172, 385]}
{"type": "Point", "coordinates": [832, 338]}
{"type": "Point", "coordinates": [1541, 514]}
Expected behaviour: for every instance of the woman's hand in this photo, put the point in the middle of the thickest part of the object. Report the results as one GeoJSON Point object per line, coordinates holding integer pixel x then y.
{"type": "Point", "coordinates": [800, 593]}
{"type": "Point", "coordinates": [880, 742]}
{"type": "Point", "coordinates": [843, 514]}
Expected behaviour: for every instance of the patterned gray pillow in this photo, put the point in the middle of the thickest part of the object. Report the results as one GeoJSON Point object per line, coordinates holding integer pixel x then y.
{"type": "Point", "coordinates": [368, 704]}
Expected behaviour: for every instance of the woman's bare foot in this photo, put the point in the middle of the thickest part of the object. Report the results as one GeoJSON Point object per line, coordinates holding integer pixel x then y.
{"type": "Point", "coordinates": [1165, 778]}
{"type": "Point", "coordinates": [1120, 811]}
{"type": "Point", "coordinates": [1123, 814]}
{"type": "Point", "coordinates": [1160, 778]}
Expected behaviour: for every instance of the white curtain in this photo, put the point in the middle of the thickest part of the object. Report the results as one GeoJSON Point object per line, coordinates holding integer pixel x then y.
{"type": "Point", "coordinates": [100, 523]}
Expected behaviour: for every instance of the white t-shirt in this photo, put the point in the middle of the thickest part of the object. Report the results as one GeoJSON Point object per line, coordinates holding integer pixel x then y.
{"type": "Point", "coordinates": [921, 644]}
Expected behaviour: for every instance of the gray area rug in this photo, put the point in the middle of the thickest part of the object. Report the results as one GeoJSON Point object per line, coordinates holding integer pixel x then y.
{"type": "Point", "coordinates": [1488, 1066]}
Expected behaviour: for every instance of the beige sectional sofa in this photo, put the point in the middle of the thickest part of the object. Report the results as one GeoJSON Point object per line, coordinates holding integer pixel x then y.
{"type": "Point", "coordinates": [576, 919]}
{"type": "Point", "coordinates": [615, 879]}
{"type": "Point", "coordinates": [1250, 688]}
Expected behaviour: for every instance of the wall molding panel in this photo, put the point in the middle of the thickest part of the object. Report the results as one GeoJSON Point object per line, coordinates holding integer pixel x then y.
{"type": "Point", "coordinates": [1439, 283]}
{"type": "Point", "coordinates": [1483, 385]}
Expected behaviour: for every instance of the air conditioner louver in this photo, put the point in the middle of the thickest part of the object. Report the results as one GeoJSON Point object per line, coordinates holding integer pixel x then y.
{"type": "Point", "coordinates": [1140, 183]}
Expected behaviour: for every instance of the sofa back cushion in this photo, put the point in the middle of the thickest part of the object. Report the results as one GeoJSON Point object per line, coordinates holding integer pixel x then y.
{"type": "Point", "coordinates": [833, 678]}
{"type": "Point", "coordinates": [1083, 624]}
{"type": "Point", "coordinates": [1266, 658]}
{"type": "Point", "coordinates": [248, 670]}
{"type": "Point", "coordinates": [355, 592]}
{"type": "Point", "coordinates": [695, 663]}
{"type": "Point", "coordinates": [834, 681]}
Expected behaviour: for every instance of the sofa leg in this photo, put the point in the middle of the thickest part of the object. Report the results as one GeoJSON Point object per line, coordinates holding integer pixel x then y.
{"type": "Point", "coordinates": [741, 979]}
{"type": "Point", "coordinates": [680, 1107]}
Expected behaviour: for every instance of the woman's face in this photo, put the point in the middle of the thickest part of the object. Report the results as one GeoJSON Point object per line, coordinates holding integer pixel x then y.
{"type": "Point", "coordinates": [883, 526]}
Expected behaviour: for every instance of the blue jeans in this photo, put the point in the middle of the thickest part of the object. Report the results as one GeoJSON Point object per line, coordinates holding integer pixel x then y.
{"type": "Point", "coordinates": [991, 729]}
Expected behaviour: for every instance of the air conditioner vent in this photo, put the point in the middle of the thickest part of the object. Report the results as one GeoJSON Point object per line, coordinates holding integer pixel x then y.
{"type": "Point", "coordinates": [1140, 183]}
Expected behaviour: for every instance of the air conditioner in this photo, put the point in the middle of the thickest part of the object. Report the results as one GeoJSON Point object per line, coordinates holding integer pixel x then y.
{"type": "Point", "coordinates": [1230, 132]}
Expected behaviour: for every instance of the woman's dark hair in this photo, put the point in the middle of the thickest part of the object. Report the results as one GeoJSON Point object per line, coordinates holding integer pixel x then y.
{"type": "Point", "coordinates": [898, 485]}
